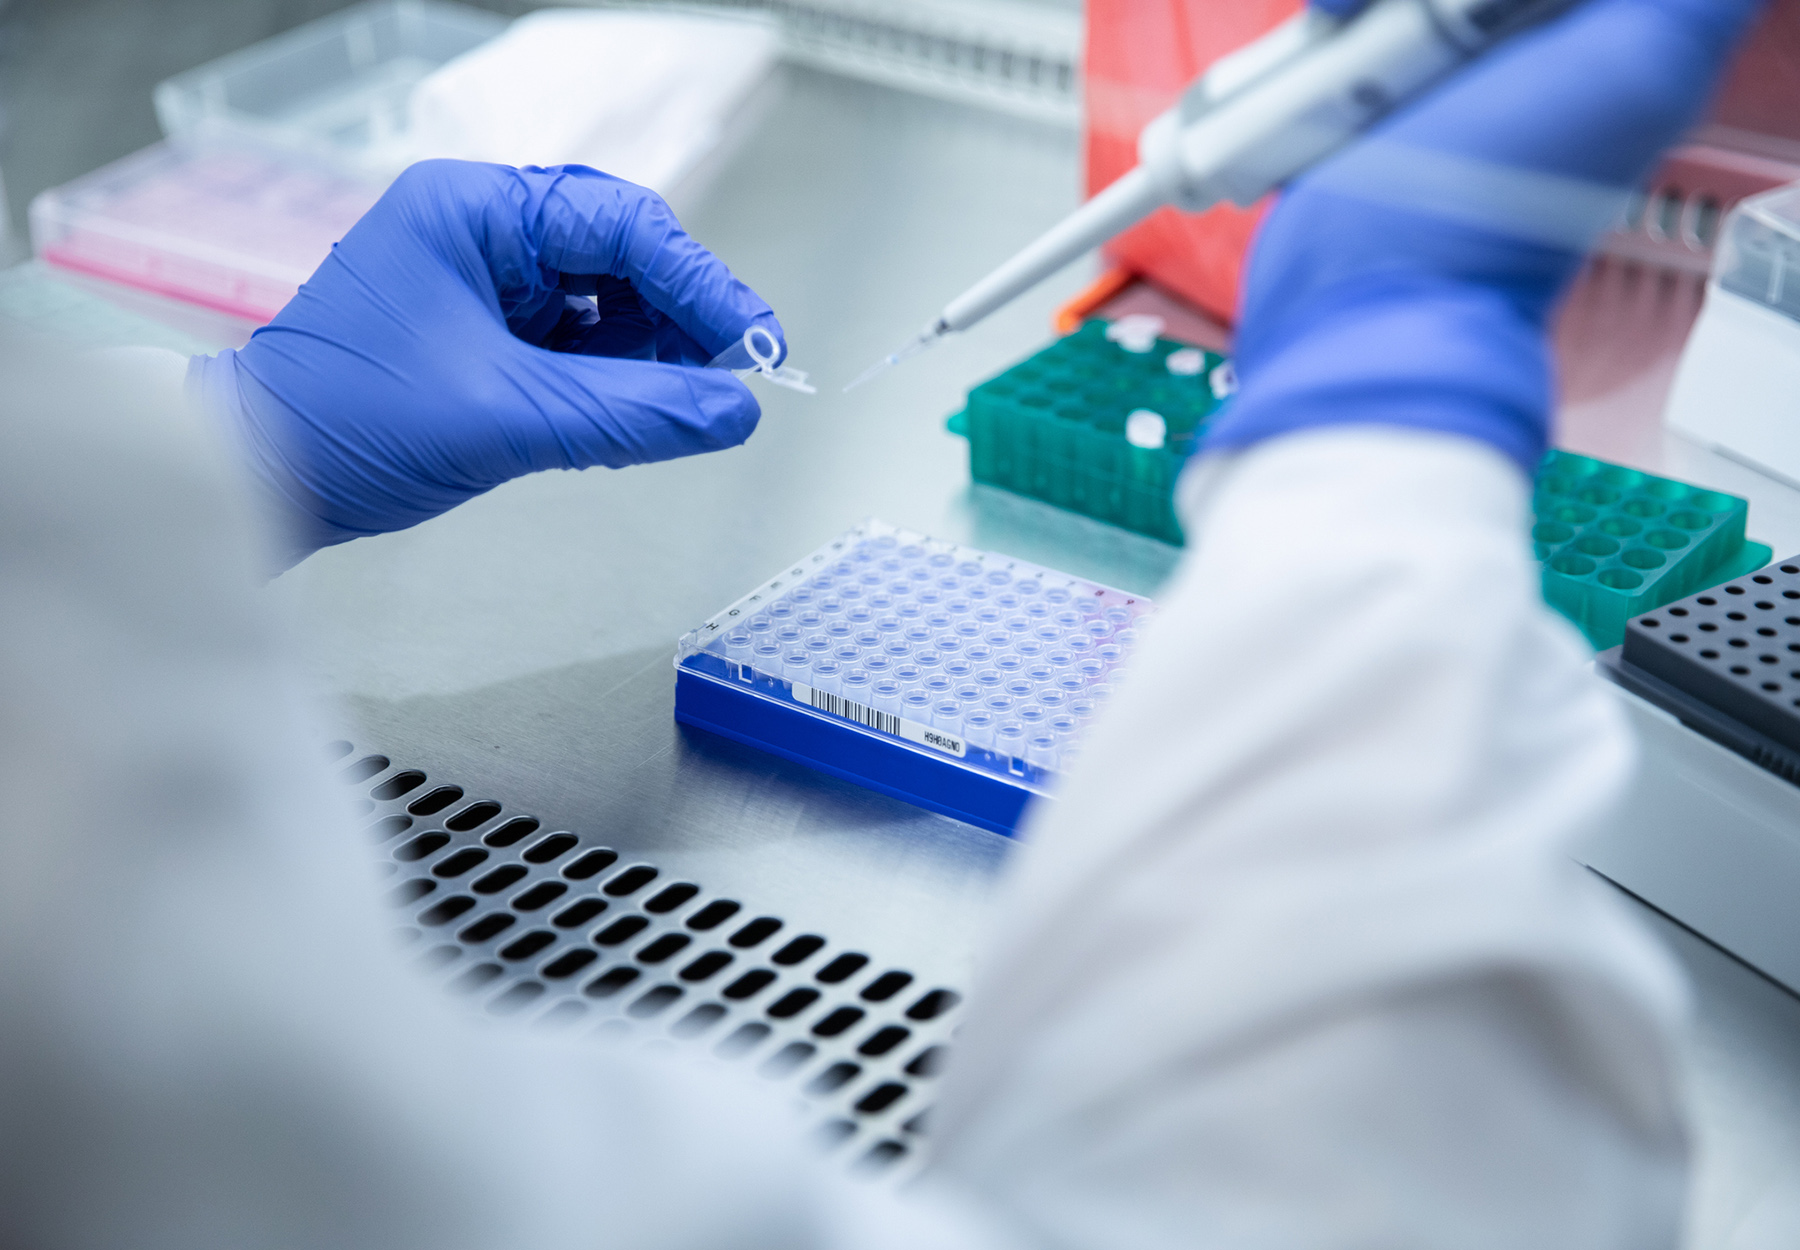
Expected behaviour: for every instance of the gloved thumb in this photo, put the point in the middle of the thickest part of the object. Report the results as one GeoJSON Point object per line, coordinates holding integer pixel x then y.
{"type": "Point", "coordinates": [581, 411]}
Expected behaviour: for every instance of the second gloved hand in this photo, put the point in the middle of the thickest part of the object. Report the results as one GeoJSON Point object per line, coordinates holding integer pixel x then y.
{"type": "Point", "coordinates": [444, 348]}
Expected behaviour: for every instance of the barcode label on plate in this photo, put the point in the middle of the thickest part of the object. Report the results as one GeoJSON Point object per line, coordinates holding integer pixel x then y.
{"type": "Point", "coordinates": [884, 722]}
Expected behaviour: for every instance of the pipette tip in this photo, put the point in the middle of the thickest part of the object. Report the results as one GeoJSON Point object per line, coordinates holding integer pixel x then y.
{"type": "Point", "coordinates": [925, 338]}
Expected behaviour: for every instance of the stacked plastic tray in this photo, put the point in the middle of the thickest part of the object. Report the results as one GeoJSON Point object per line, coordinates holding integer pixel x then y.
{"type": "Point", "coordinates": [957, 679]}
{"type": "Point", "coordinates": [1616, 542]}
{"type": "Point", "coordinates": [1060, 426]}
{"type": "Point", "coordinates": [1726, 662]}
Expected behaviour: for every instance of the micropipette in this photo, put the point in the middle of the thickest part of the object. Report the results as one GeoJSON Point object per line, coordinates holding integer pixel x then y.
{"type": "Point", "coordinates": [1254, 120]}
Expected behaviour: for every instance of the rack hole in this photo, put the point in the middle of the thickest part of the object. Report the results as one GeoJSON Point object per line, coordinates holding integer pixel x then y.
{"type": "Point", "coordinates": [883, 1040]}
{"type": "Point", "coordinates": [578, 913]}
{"type": "Point", "coordinates": [663, 947]}
{"type": "Point", "coordinates": [834, 1078]}
{"type": "Point", "coordinates": [472, 815]}
{"type": "Point", "coordinates": [365, 768]}
{"type": "Point", "coordinates": [474, 978]}
{"type": "Point", "coordinates": [608, 984]}
{"type": "Point", "coordinates": [928, 1062]}
{"type": "Point", "coordinates": [756, 931]}
{"type": "Point", "coordinates": [933, 1005]}
{"type": "Point", "coordinates": [621, 930]}
{"type": "Point", "coordinates": [881, 1097]}
{"type": "Point", "coordinates": [843, 968]}
{"type": "Point", "coordinates": [569, 963]}
{"type": "Point", "coordinates": [705, 966]}
{"type": "Point", "coordinates": [788, 1058]}
{"type": "Point", "coordinates": [398, 784]}
{"type": "Point", "coordinates": [591, 864]}
{"type": "Point", "coordinates": [499, 879]}
{"type": "Point", "coordinates": [634, 878]}
{"type": "Point", "coordinates": [434, 802]}
{"type": "Point", "coordinates": [670, 897]}
{"type": "Point", "coordinates": [803, 947]}
{"type": "Point", "coordinates": [833, 1133]}
{"type": "Point", "coordinates": [411, 891]}
{"type": "Point", "coordinates": [713, 914]}
{"type": "Point", "coordinates": [456, 865]}
{"type": "Point", "coordinates": [886, 986]}
{"type": "Point", "coordinates": [527, 945]}
{"type": "Point", "coordinates": [698, 1020]}
{"type": "Point", "coordinates": [421, 846]}
{"type": "Point", "coordinates": [514, 831]}
{"type": "Point", "coordinates": [490, 925]}
{"type": "Point", "coordinates": [881, 1156]}
{"type": "Point", "coordinates": [753, 982]}
{"type": "Point", "coordinates": [540, 895]}
{"type": "Point", "coordinates": [337, 750]}
{"type": "Point", "coordinates": [390, 826]}
{"type": "Point", "coordinates": [447, 909]}
{"type": "Point", "coordinates": [742, 1040]}
{"type": "Point", "coordinates": [546, 849]}
{"type": "Point", "coordinates": [793, 1003]}
{"type": "Point", "coordinates": [654, 1003]}
{"type": "Point", "coordinates": [837, 1021]}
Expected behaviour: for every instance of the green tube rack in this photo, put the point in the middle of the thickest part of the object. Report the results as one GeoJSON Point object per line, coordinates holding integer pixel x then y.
{"type": "Point", "coordinates": [1614, 542]}
{"type": "Point", "coordinates": [1053, 427]}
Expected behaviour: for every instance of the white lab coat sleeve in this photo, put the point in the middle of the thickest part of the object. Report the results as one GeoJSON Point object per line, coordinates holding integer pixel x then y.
{"type": "Point", "coordinates": [1300, 959]}
{"type": "Point", "coordinates": [207, 1038]}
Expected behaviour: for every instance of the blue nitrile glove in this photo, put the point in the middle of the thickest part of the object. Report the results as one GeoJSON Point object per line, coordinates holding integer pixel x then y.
{"type": "Point", "coordinates": [1408, 280]}
{"type": "Point", "coordinates": [442, 349]}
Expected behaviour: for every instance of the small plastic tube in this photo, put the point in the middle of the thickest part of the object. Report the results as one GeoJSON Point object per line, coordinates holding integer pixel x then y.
{"type": "Point", "coordinates": [1009, 663]}
{"type": "Point", "coordinates": [1083, 708]}
{"type": "Point", "coordinates": [827, 675]}
{"type": "Point", "coordinates": [1064, 725]}
{"type": "Point", "coordinates": [910, 611]}
{"type": "Point", "coordinates": [1056, 596]}
{"type": "Point", "coordinates": [855, 684]}
{"type": "Point", "coordinates": [957, 668]}
{"type": "Point", "coordinates": [738, 642]}
{"type": "Point", "coordinates": [1000, 704]}
{"type": "Point", "coordinates": [1043, 750]}
{"type": "Point", "coordinates": [1100, 692]}
{"type": "Point", "coordinates": [918, 633]}
{"type": "Point", "coordinates": [1009, 739]}
{"type": "Point", "coordinates": [968, 692]}
{"type": "Point", "coordinates": [1053, 700]}
{"type": "Point", "coordinates": [968, 627]}
{"type": "Point", "coordinates": [796, 665]}
{"type": "Point", "coordinates": [927, 657]}
{"type": "Point", "coordinates": [1079, 645]}
{"type": "Point", "coordinates": [1092, 668]}
{"type": "Point", "coordinates": [897, 647]}
{"type": "Point", "coordinates": [1008, 600]}
{"type": "Point", "coordinates": [978, 653]}
{"type": "Point", "coordinates": [1027, 586]}
{"type": "Point", "coordinates": [867, 639]}
{"type": "Point", "coordinates": [788, 634]}
{"type": "Point", "coordinates": [1048, 632]}
{"type": "Point", "coordinates": [801, 597]}
{"type": "Point", "coordinates": [852, 594]}
{"type": "Point", "coordinates": [937, 684]}
{"type": "Point", "coordinates": [948, 645]}
{"type": "Point", "coordinates": [780, 610]}
{"type": "Point", "coordinates": [1059, 658]}
{"type": "Point", "coordinates": [1020, 687]}
{"type": "Point", "coordinates": [760, 626]}
{"type": "Point", "coordinates": [1041, 672]}
{"type": "Point", "coordinates": [908, 673]}
{"type": "Point", "coordinates": [996, 637]}
{"type": "Point", "coordinates": [888, 623]}
{"type": "Point", "coordinates": [930, 596]}
{"type": "Point", "coordinates": [988, 678]}
{"type": "Point", "coordinates": [878, 664]}
{"type": "Point", "coordinates": [1109, 652]}
{"type": "Point", "coordinates": [880, 601]}
{"type": "Point", "coordinates": [810, 618]}
{"type": "Point", "coordinates": [859, 615]}
{"type": "Point", "coordinates": [838, 628]}
{"type": "Point", "coordinates": [939, 619]}
{"type": "Point", "coordinates": [884, 695]}
{"type": "Point", "coordinates": [978, 729]}
{"type": "Point", "coordinates": [989, 614]}
{"type": "Point", "coordinates": [959, 606]}
{"type": "Point", "coordinates": [1072, 683]}
{"type": "Point", "coordinates": [820, 644]}
{"type": "Point", "coordinates": [1068, 618]}
{"type": "Point", "coordinates": [1018, 623]}
{"type": "Point", "coordinates": [1127, 637]}
{"type": "Point", "coordinates": [915, 705]}
{"type": "Point", "coordinates": [765, 657]}
{"type": "Point", "coordinates": [1030, 648]}
{"type": "Point", "coordinates": [1099, 630]}
{"type": "Point", "coordinates": [946, 714]}
{"type": "Point", "coordinates": [1037, 610]}
{"type": "Point", "coordinates": [1031, 715]}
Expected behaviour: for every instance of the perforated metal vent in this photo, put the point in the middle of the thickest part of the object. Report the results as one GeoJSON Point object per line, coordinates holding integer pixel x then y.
{"type": "Point", "coordinates": [555, 928]}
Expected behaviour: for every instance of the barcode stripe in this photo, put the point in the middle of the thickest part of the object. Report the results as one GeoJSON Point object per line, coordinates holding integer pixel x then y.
{"type": "Point", "coordinates": [860, 713]}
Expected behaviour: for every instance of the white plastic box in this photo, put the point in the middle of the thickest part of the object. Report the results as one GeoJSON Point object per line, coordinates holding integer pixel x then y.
{"type": "Point", "coordinates": [226, 227]}
{"type": "Point", "coordinates": [338, 88]}
{"type": "Point", "coordinates": [1737, 388]}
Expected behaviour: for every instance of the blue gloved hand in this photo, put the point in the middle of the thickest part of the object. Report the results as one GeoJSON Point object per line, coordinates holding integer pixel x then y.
{"type": "Point", "coordinates": [443, 348]}
{"type": "Point", "coordinates": [1408, 280]}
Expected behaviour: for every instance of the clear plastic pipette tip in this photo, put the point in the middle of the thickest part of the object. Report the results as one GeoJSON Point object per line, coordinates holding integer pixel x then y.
{"type": "Point", "coordinates": [925, 338]}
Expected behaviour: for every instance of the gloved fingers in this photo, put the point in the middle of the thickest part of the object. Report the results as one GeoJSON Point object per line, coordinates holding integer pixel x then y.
{"type": "Point", "coordinates": [1594, 94]}
{"type": "Point", "coordinates": [578, 220]}
{"type": "Point", "coordinates": [597, 410]}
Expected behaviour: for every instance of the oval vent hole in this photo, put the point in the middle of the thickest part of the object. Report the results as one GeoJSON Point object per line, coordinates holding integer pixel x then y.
{"type": "Point", "coordinates": [398, 784]}
{"type": "Point", "coordinates": [634, 878]}
{"type": "Point", "coordinates": [553, 847]}
{"type": "Point", "coordinates": [499, 879]}
{"type": "Point", "coordinates": [436, 801]}
{"type": "Point", "coordinates": [713, 914]}
{"type": "Point", "coordinates": [472, 815]}
{"type": "Point", "coordinates": [591, 864]}
{"type": "Point", "coordinates": [540, 895]}
{"type": "Point", "coordinates": [365, 768]}
{"type": "Point", "coordinates": [446, 910]}
{"type": "Point", "coordinates": [578, 913]}
{"type": "Point", "coordinates": [670, 897]}
{"type": "Point", "coordinates": [421, 846]}
{"type": "Point", "coordinates": [456, 865]}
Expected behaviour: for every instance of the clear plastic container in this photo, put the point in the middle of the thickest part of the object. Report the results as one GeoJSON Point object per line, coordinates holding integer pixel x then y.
{"type": "Point", "coordinates": [940, 729]}
{"type": "Point", "coordinates": [336, 88]}
{"type": "Point", "coordinates": [224, 226]}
